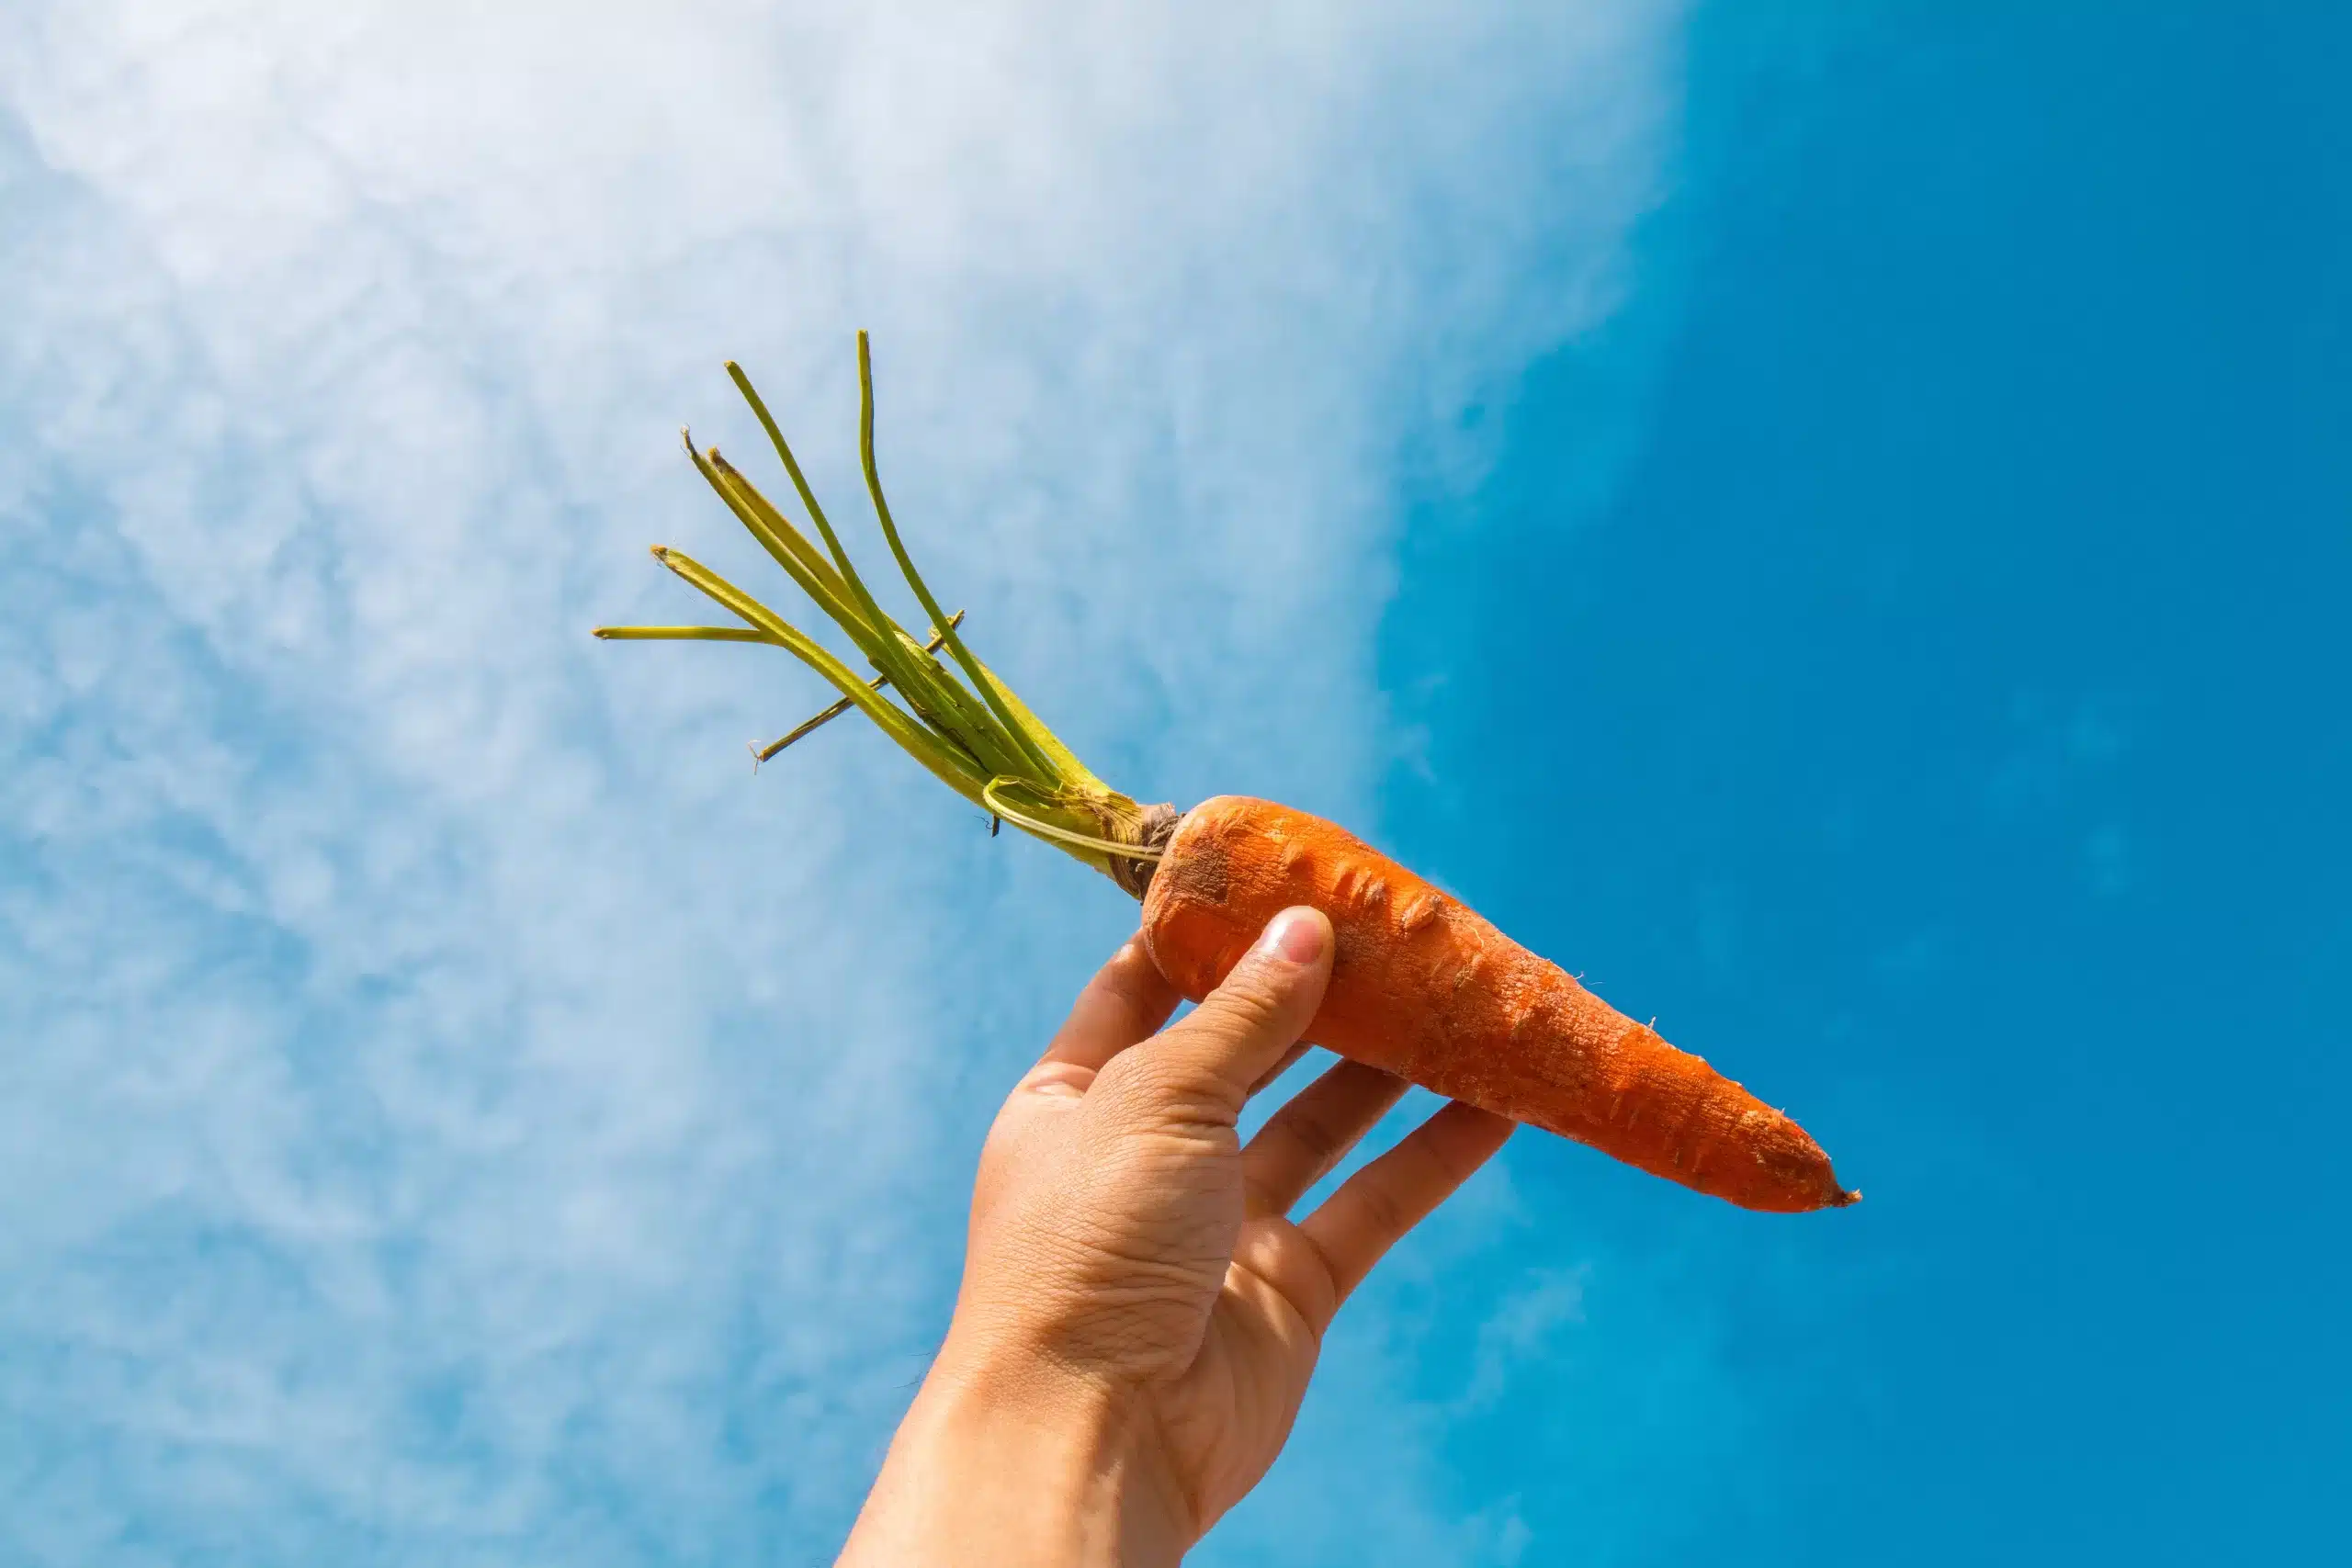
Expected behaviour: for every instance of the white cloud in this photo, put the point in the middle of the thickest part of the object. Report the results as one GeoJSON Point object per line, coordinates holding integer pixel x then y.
{"type": "Point", "coordinates": [453, 1111]}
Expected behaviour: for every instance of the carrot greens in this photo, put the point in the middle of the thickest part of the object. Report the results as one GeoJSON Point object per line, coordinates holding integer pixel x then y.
{"type": "Point", "coordinates": [958, 720]}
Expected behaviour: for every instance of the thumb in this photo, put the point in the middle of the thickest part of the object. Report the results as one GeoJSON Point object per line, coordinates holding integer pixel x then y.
{"type": "Point", "coordinates": [1243, 1028]}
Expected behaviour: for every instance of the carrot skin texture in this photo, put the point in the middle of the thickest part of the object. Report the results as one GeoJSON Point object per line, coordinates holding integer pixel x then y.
{"type": "Point", "coordinates": [1423, 987]}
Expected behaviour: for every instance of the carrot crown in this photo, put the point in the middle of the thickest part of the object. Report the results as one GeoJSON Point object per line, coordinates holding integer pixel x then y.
{"type": "Point", "coordinates": [959, 721]}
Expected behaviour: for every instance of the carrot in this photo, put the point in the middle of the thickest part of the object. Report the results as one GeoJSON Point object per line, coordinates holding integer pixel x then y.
{"type": "Point", "coordinates": [1420, 986]}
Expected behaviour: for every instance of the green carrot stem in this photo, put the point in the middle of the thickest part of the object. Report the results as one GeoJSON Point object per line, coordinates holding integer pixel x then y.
{"type": "Point", "coordinates": [1047, 773]}
{"type": "Point", "coordinates": [810, 726]}
{"type": "Point", "coordinates": [980, 740]}
{"type": "Point", "coordinates": [683, 634]}
{"type": "Point", "coordinates": [799, 483]}
{"type": "Point", "coordinates": [992, 796]}
{"type": "Point", "coordinates": [810, 559]}
{"type": "Point", "coordinates": [953, 768]}
{"type": "Point", "coordinates": [935, 697]}
{"type": "Point", "coordinates": [1075, 775]}
{"type": "Point", "coordinates": [976, 727]}
{"type": "Point", "coordinates": [817, 578]}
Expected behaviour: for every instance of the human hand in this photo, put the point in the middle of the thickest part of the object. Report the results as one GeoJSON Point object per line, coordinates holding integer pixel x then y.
{"type": "Point", "coordinates": [1139, 1316]}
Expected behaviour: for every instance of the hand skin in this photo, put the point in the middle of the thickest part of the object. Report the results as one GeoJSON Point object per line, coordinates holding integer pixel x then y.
{"type": "Point", "coordinates": [1138, 1317]}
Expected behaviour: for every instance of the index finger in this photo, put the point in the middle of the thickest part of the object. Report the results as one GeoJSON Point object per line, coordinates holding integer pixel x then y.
{"type": "Point", "coordinates": [1126, 1001]}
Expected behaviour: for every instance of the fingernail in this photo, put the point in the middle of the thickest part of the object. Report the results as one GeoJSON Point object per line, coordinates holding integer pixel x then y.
{"type": "Point", "coordinates": [1294, 934]}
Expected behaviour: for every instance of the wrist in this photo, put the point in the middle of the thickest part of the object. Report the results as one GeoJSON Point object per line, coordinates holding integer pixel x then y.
{"type": "Point", "coordinates": [1007, 1457]}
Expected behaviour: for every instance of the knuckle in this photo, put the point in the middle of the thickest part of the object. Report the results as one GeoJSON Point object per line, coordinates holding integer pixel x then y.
{"type": "Point", "coordinates": [1123, 987]}
{"type": "Point", "coordinates": [1156, 1088]}
{"type": "Point", "coordinates": [1249, 1002]}
{"type": "Point", "coordinates": [1383, 1210]}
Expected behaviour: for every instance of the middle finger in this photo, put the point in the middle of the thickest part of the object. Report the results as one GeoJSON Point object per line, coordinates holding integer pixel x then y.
{"type": "Point", "coordinates": [1300, 1143]}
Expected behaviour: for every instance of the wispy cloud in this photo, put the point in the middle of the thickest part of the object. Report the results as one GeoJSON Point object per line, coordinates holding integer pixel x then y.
{"type": "Point", "coordinates": [452, 1111]}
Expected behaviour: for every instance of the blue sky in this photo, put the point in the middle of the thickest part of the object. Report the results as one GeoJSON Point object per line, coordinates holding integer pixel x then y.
{"type": "Point", "coordinates": [1942, 720]}
{"type": "Point", "coordinates": [1834, 529]}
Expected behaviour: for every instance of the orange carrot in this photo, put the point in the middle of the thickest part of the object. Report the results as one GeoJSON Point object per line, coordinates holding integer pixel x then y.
{"type": "Point", "coordinates": [1420, 986]}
